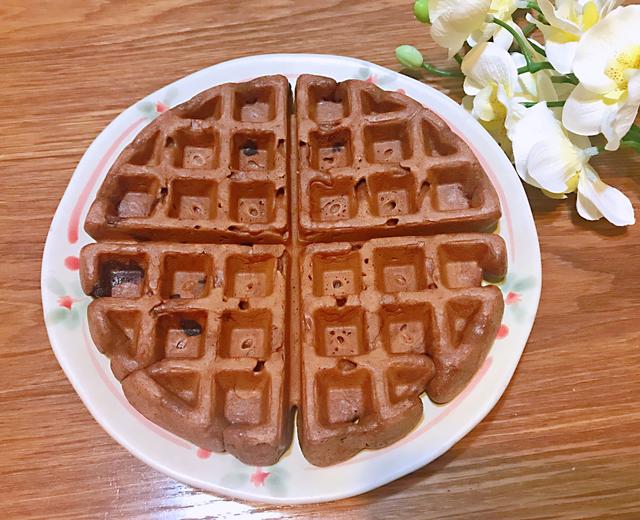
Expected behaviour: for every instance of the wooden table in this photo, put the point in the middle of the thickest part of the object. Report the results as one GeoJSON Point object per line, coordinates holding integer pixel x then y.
{"type": "Point", "coordinates": [564, 441]}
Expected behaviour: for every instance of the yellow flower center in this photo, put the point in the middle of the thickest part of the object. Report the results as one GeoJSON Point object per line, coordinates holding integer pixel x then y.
{"type": "Point", "coordinates": [617, 71]}
{"type": "Point", "coordinates": [585, 20]}
{"type": "Point", "coordinates": [498, 108]}
{"type": "Point", "coordinates": [572, 182]}
{"type": "Point", "coordinates": [590, 16]}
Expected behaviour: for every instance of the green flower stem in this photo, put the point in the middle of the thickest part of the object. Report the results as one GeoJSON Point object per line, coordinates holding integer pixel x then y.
{"type": "Point", "coordinates": [535, 67]}
{"type": "Point", "coordinates": [532, 66]}
{"type": "Point", "coordinates": [535, 7]}
{"type": "Point", "coordinates": [458, 58]}
{"type": "Point", "coordinates": [567, 78]}
{"type": "Point", "coordinates": [550, 104]}
{"type": "Point", "coordinates": [442, 72]}
{"type": "Point", "coordinates": [632, 139]}
{"type": "Point", "coordinates": [635, 145]}
{"type": "Point", "coordinates": [537, 48]}
{"type": "Point", "coordinates": [633, 134]}
{"type": "Point", "coordinates": [529, 29]}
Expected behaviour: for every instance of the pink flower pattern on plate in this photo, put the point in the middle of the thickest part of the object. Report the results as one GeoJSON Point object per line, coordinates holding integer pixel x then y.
{"type": "Point", "coordinates": [258, 477]}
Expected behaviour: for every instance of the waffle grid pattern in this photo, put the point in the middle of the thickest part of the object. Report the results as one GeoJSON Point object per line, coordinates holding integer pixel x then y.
{"type": "Point", "coordinates": [384, 321]}
{"type": "Point", "coordinates": [201, 329]}
{"type": "Point", "coordinates": [213, 169]}
{"type": "Point", "coordinates": [219, 318]}
{"type": "Point", "coordinates": [377, 163]}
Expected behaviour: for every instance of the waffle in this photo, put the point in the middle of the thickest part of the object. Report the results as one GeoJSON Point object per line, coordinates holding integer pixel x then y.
{"type": "Point", "coordinates": [343, 277]}
{"type": "Point", "coordinates": [213, 169]}
{"type": "Point", "coordinates": [382, 323]}
{"type": "Point", "coordinates": [197, 335]}
{"type": "Point", "coordinates": [375, 163]}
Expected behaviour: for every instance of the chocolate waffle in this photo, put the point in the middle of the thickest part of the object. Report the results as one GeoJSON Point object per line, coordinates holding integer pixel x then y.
{"type": "Point", "coordinates": [237, 278]}
{"type": "Point", "coordinates": [213, 169]}
{"type": "Point", "coordinates": [375, 163]}
{"type": "Point", "coordinates": [197, 335]}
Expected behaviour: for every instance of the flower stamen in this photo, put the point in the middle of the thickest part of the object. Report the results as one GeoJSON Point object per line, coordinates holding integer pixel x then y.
{"type": "Point", "coordinates": [624, 61]}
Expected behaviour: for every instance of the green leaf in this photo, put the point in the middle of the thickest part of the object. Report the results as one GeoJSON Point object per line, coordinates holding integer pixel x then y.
{"type": "Point", "coordinates": [82, 306]}
{"type": "Point", "coordinates": [278, 471]}
{"type": "Point", "coordinates": [635, 145]}
{"type": "Point", "coordinates": [56, 287]}
{"type": "Point", "coordinates": [73, 320]}
{"type": "Point", "coordinates": [57, 316]}
{"type": "Point", "coordinates": [363, 73]}
{"type": "Point", "coordinates": [519, 313]}
{"type": "Point", "coordinates": [385, 80]}
{"type": "Point", "coordinates": [524, 284]}
{"type": "Point", "coordinates": [633, 134]}
{"type": "Point", "coordinates": [234, 480]}
{"type": "Point", "coordinates": [276, 486]}
{"type": "Point", "coordinates": [147, 108]}
{"type": "Point", "coordinates": [75, 290]}
{"type": "Point", "coordinates": [170, 96]}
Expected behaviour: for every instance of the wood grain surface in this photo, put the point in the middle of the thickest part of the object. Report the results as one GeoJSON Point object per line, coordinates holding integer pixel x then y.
{"type": "Point", "coordinates": [564, 441]}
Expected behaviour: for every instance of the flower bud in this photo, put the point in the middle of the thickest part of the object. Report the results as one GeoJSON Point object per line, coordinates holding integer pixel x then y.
{"type": "Point", "coordinates": [409, 56]}
{"type": "Point", "coordinates": [421, 11]}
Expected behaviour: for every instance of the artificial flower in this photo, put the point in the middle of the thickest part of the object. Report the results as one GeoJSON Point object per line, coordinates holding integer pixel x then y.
{"type": "Point", "coordinates": [567, 21]}
{"type": "Point", "coordinates": [607, 64]}
{"type": "Point", "coordinates": [495, 90]}
{"type": "Point", "coordinates": [453, 22]}
{"type": "Point", "coordinates": [550, 159]}
{"type": "Point", "coordinates": [490, 77]}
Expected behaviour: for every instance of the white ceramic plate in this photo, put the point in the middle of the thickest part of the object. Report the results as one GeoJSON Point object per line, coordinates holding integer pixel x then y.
{"type": "Point", "coordinates": [293, 479]}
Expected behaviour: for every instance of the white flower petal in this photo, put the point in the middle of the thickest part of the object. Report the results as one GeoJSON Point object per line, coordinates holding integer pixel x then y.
{"type": "Point", "coordinates": [515, 111]}
{"type": "Point", "coordinates": [498, 132]}
{"type": "Point", "coordinates": [556, 18]}
{"type": "Point", "coordinates": [634, 87]}
{"type": "Point", "coordinates": [606, 6]}
{"type": "Point", "coordinates": [561, 54]}
{"type": "Point", "coordinates": [490, 64]}
{"type": "Point", "coordinates": [584, 112]}
{"type": "Point", "coordinates": [602, 43]}
{"type": "Point", "coordinates": [519, 61]}
{"type": "Point", "coordinates": [544, 156]}
{"type": "Point", "coordinates": [595, 197]}
{"type": "Point", "coordinates": [533, 87]}
{"type": "Point", "coordinates": [523, 139]}
{"type": "Point", "coordinates": [453, 21]}
{"type": "Point", "coordinates": [546, 89]}
{"type": "Point", "coordinates": [504, 38]}
{"type": "Point", "coordinates": [482, 105]}
{"type": "Point", "coordinates": [525, 134]}
{"type": "Point", "coordinates": [471, 87]}
{"type": "Point", "coordinates": [552, 166]}
{"type": "Point", "coordinates": [501, 9]}
{"type": "Point", "coordinates": [585, 208]}
{"type": "Point", "coordinates": [437, 8]}
{"type": "Point", "coordinates": [483, 34]}
{"type": "Point", "coordinates": [555, 196]}
{"type": "Point", "coordinates": [617, 125]}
